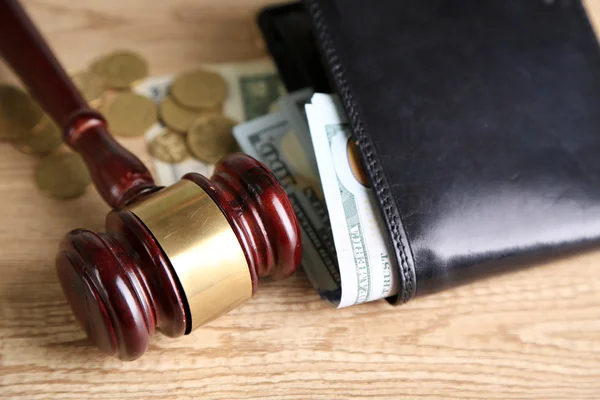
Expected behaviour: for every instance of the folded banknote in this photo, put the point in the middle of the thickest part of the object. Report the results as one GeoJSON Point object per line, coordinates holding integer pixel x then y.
{"type": "Point", "coordinates": [309, 148]}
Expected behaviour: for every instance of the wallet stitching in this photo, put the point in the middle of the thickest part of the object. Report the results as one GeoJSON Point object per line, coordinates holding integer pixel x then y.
{"type": "Point", "coordinates": [408, 278]}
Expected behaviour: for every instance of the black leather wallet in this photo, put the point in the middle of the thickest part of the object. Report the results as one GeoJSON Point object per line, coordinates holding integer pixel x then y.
{"type": "Point", "coordinates": [478, 122]}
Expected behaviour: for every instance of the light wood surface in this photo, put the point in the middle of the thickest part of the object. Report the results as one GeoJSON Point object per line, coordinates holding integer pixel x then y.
{"type": "Point", "coordinates": [530, 334]}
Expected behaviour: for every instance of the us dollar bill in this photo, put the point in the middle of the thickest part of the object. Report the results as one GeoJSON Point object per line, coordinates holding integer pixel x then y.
{"type": "Point", "coordinates": [254, 89]}
{"type": "Point", "coordinates": [271, 140]}
{"type": "Point", "coordinates": [364, 253]}
{"type": "Point", "coordinates": [345, 252]}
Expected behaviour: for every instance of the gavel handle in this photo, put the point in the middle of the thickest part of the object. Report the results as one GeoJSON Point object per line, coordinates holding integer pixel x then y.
{"type": "Point", "coordinates": [118, 175]}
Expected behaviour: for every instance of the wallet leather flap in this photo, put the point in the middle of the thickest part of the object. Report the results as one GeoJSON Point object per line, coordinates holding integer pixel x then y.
{"type": "Point", "coordinates": [478, 122]}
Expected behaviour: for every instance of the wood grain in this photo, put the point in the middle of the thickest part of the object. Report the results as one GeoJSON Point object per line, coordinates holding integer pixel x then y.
{"type": "Point", "coordinates": [530, 334]}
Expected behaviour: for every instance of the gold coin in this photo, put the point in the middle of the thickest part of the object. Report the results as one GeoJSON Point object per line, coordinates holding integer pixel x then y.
{"type": "Point", "coordinates": [62, 176]}
{"type": "Point", "coordinates": [129, 114]}
{"type": "Point", "coordinates": [19, 113]}
{"type": "Point", "coordinates": [199, 89]}
{"type": "Point", "coordinates": [44, 139]}
{"type": "Point", "coordinates": [175, 116]}
{"type": "Point", "coordinates": [120, 68]}
{"type": "Point", "coordinates": [91, 86]}
{"type": "Point", "coordinates": [169, 147]}
{"type": "Point", "coordinates": [210, 137]}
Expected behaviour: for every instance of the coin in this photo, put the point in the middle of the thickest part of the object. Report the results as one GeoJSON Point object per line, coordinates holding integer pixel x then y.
{"type": "Point", "coordinates": [19, 113]}
{"type": "Point", "coordinates": [90, 85]}
{"type": "Point", "coordinates": [216, 109]}
{"type": "Point", "coordinates": [129, 114]}
{"type": "Point", "coordinates": [210, 137]}
{"type": "Point", "coordinates": [169, 147]}
{"type": "Point", "coordinates": [176, 117]}
{"type": "Point", "coordinates": [199, 89]}
{"type": "Point", "coordinates": [120, 68]}
{"type": "Point", "coordinates": [62, 176]}
{"type": "Point", "coordinates": [44, 138]}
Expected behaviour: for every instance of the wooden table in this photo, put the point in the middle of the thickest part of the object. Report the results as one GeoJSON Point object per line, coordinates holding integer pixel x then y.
{"type": "Point", "coordinates": [528, 334]}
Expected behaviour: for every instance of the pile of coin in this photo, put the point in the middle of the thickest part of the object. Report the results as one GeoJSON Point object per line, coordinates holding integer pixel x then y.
{"type": "Point", "coordinates": [191, 111]}
{"type": "Point", "coordinates": [127, 113]}
{"type": "Point", "coordinates": [60, 173]}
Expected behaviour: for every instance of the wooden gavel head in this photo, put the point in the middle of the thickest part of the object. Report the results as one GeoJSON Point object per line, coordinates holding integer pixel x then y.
{"type": "Point", "coordinates": [180, 256]}
{"type": "Point", "coordinates": [172, 258]}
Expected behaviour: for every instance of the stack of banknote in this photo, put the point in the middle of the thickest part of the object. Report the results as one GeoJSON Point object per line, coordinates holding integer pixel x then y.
{"type": "Point", "coordinates": [308, 146]}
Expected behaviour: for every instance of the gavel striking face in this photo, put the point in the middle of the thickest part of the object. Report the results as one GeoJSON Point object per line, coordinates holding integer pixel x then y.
{"type": "Point", "coordinates": [171, 258]}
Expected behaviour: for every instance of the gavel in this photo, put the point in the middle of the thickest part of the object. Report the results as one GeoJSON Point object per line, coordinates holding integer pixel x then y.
{"type": "Point", "coordinates": [172, 258]}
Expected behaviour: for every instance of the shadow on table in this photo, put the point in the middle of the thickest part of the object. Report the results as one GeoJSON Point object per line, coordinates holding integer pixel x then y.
{"type": "Point", "coordinates": [469, 273]}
